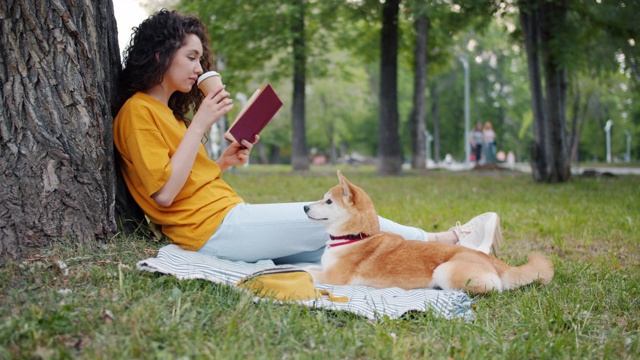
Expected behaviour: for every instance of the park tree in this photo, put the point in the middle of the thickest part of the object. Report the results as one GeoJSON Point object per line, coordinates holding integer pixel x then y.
{"type": "Point", "coordinates": [299, 156]}
{"type": "Point", "coordinates": [566, 41]}
{"type": "Point", "coordinates": [60, 62]}
{"type": "Point", "coordinates": [606, 84]}
{"type": "Point", "coordinates": [372, 17]}
{"type": "Point", "coordinates": [436, 30]}
{"type": "Point", "coordinates": [543, 25]}
{"type": "Point", "coordinates": [389, 152]}
{"type": "Point", "coordinates": [270, 40]}
{"type": "Point", "coordinates": [417, 122]}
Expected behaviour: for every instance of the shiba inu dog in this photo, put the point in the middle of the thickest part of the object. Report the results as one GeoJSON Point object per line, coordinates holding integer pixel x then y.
{"type": "Point", "coordinates": [360, 254]}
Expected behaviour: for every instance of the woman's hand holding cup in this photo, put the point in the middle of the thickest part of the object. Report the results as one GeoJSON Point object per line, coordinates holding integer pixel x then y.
{"type": "Point", "coordinates": [216, 102]}
{"type": "Point", "coordinates": [210, 82]}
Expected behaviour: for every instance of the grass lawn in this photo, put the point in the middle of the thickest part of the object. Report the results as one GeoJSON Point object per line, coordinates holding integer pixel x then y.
{"type": "Point", "coordinates": [102, 307]}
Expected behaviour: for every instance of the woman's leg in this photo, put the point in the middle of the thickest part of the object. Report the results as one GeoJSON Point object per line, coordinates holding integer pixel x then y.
{"type": "Point", "coordinates": [267, 231]}
{"type": "Point", "coordinates": [478, 153]}
{"type": "Point", "coordinates": [284, 233]}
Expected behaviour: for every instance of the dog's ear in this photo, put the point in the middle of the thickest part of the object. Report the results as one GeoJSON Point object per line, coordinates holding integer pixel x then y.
{"type": "Point", "coordinates": [346, 192]}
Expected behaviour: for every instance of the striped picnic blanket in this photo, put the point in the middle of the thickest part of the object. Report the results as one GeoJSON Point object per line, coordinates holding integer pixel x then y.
{"type": "Point", "coordinates": [365, 301]}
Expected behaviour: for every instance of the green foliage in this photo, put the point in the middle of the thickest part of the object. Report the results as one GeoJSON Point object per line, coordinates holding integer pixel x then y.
{"type": "Point", "coordinates": [341, 109]}
{"type": "Point", "coordinates": [599, 48]}
{"type": "Point", "coordinates": [253, 39]}
{"type": "Point", "coordinates": [104, 308]}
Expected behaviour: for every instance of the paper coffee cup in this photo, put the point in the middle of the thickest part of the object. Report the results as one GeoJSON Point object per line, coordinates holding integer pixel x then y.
{"type": "Point", "coordinates": [210, 81]}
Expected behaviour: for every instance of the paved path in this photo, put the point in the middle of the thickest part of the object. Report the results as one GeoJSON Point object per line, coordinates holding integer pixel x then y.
{"type": "Point", "coordinates": [525, 167]}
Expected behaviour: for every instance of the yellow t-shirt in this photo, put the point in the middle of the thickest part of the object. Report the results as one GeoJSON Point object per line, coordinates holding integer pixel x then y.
{"type": "Point", "coordinates": [147, 134]}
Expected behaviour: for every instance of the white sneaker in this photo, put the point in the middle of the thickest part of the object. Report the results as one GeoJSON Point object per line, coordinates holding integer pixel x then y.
{"type": "Point", "coordinates": [481, 233]}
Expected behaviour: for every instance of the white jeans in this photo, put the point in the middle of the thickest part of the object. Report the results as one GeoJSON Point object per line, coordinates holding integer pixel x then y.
{"type": "Point", "coordinates": [281, 232]}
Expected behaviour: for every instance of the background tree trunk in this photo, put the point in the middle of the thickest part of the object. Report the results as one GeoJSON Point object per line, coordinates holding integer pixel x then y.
{"type": "Point", "coordinates": [553, 18]}
{"type": "Point", "coordinates": [574, 136]}
{"type": "Point", "coordinates": [435, 115]}
{"type": "Point", "coordinates": [543, 22]}
{"type": "Point", "coordinates": [60, 61]}
{"type": "Point", "coordinates": [299, 156]}
{"type": "Point", "coordinates": [418, 125]}
{"type": "Point", "coordinates": [389, 157]}
{"type": "Point", "coordinates": [531, 33]}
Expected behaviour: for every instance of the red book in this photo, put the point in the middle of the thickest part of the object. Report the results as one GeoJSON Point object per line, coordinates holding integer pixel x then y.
{"type": "Point", "coordinates": [254, 116]}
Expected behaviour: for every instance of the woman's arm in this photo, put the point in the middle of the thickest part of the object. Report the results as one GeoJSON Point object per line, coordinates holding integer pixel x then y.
{"type": "Point", "coordinates": [213, 107]}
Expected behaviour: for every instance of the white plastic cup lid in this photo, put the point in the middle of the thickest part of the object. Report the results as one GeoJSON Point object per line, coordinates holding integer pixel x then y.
{"type": "Point", "coordinates": [207, 75]}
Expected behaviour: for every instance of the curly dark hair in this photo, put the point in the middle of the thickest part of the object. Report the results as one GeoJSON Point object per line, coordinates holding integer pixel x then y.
{"type": "Point", "coordinates": [150, 52]}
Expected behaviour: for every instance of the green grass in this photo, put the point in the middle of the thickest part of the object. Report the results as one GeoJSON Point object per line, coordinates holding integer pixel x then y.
{"type": "Point", "coordinates": [106, 309]}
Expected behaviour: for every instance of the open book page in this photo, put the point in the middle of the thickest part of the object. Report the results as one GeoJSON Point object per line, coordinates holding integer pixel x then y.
{"type": "Point", "coordinates": [259, 110]}
{"type": "Point", "coordinates": [246, 106]}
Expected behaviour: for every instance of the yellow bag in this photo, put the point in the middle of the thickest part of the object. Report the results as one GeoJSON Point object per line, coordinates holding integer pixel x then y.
{"type": "Point", "coordinates": [285, 283]}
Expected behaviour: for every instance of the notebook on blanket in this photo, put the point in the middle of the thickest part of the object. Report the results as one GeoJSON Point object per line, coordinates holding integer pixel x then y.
{"type": "Point", "coordinates": [362, 300]}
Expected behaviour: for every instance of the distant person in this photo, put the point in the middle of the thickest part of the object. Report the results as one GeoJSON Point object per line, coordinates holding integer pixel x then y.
{"type": "Point", "coordinates": [511, 159]}
{"type": "Point", "coordinates": [477, 140]}
{"type": "Point", "coordinates": [490, 142]}
{"type": "Point", "coordinates": [501, 156]}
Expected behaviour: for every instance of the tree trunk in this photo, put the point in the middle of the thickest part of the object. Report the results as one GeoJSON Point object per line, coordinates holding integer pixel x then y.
{"type": "Point", "coordinates": [299, 158]}
{"type": "Point", "coordinates": [581, 121]}
{"type": "Point", "coordinates": [261, 150]}
{"type": "Point", "coordinates": [574, 136]}
{"type": "Point", "coordinates": [580, 112]}
{"type": "Point", "coordinates": [329, 129]}
{"type": "Point", "coordinates": [389, 157]}
{"type": "Point", "coordinates": [542, 23]}
{"type": "Point", "coordinates": [553, 15]}
{"type": "Point", "coordinates": [60, 61]}
{"type": "Point", "coordinates": [418, 126]}
{"type": "Point", "coordinates": [530, 28]}
{"type": "Point", "coordinates": [435, 115]}
{"type": "Point", "coordinates": [274, 154]}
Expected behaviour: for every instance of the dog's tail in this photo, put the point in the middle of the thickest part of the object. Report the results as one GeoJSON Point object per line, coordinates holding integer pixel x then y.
{"type": "Point", "coordinates": [538, 269]}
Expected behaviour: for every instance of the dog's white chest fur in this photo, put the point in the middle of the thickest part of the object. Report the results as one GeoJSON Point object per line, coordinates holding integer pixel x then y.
{"type": "Point", "coordinates": [329, 257]}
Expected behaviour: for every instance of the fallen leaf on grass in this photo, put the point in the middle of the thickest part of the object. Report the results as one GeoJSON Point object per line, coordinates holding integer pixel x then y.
{"type": "Point", "coordinates": [107, 316]}
{"type": "Point", "coordinates": [61, 266]}
{"type": "Point", "coordinates": [64, 291]}
{"type": "Point", "coordinates": [622, 322]}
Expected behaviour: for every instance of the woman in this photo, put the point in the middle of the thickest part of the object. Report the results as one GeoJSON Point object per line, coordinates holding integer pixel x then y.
{"type": "Point", "coordinates": [490, 140]}
{"type": "Point", "coordinates": [167, 170]}
{"type": "Point", "coordinates": [477, 140]}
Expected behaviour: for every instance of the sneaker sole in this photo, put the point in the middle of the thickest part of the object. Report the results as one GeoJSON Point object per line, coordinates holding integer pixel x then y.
{"type": "Point", "coordinates": [492, 231]}
{"type": "Point", "coordinates": [497, 240]}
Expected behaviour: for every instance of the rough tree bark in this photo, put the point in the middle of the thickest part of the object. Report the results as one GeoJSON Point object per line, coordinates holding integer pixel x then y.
{"type": "Point", "coordinates": [418, 126]}
{"type": "Point", "coordinates": [389, 157]}
{"type": "Point", "coordinates": [60, 62]}
{"type": "Point", "coordinates": [553, 16]}
{"type": "Point", "coordinates": [531, 33]}
{"type": "Point", "coordinates": [542, 23]}
{"type": "Point", "coordinates": [299, 157]}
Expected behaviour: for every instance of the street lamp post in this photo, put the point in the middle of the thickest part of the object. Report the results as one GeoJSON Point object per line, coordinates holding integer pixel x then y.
{"type": "Point", "coordinates": [607, 129]}
{"type": "Point", "coordinates": [627, 157]}
{"type": "Point", "coordinates": [467, 147]}
{"type": "Point", "coordinates": [427, 139]}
